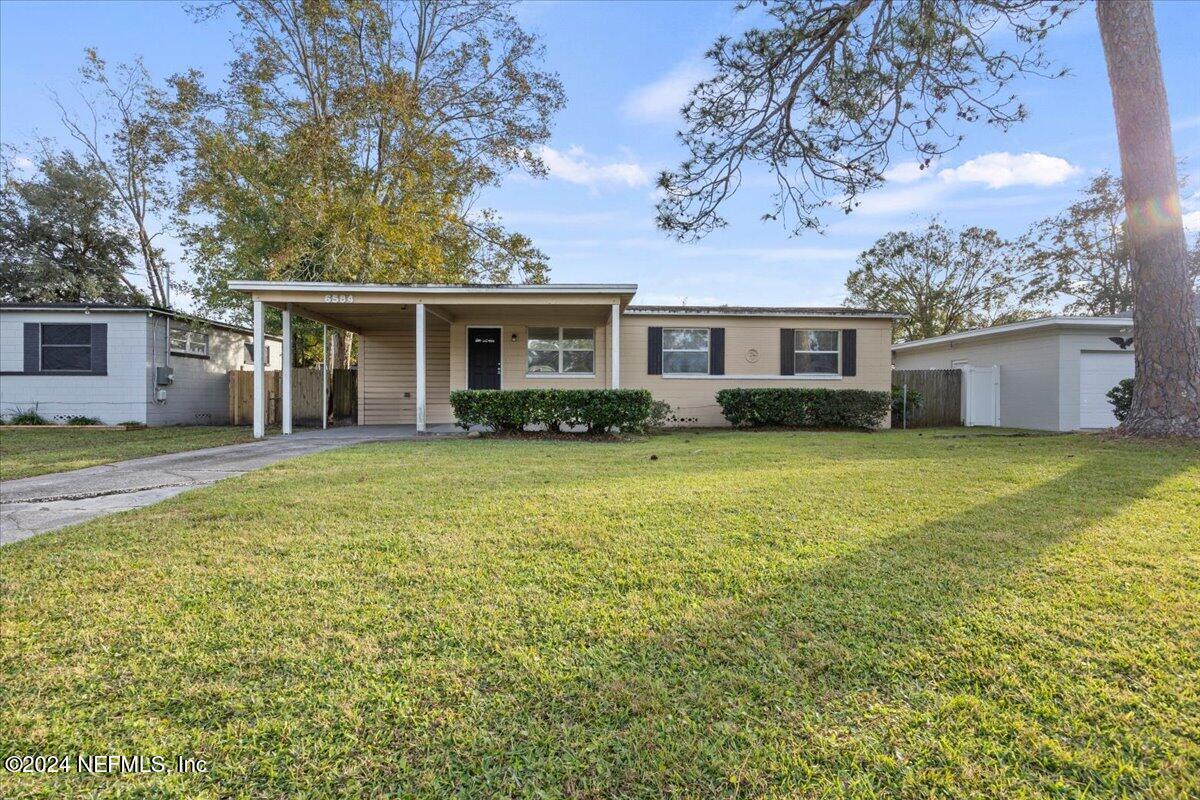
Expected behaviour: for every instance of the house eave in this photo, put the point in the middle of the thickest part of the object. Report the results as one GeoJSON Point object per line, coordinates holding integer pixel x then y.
{"type": "Point", "coordinates": [1043, 323]}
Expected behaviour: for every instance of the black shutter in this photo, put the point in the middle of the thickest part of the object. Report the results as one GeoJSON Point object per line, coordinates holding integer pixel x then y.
{"type": "Point", "coordinates": [716, 351]}
{"type": "Point", "coordinates": [787, 351]}
{"type": "Point", "coordinates": [654, 352]}
{"type": "Point", "coordinates": [849, 352]}
{"type": "Point", "coordinates": [99, 349]}
{"type": "Point", "coordinates": [33, 346]}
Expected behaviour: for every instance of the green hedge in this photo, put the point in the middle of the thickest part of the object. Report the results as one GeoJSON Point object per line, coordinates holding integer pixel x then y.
{"type": "Point", "coordinates": [512, 410]}
{"type": "Point", "coordinates": [805, 408]}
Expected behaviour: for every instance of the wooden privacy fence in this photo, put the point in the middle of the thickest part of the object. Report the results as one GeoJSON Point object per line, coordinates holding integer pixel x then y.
{"type": "Point", "coordinates": [306, 395]}
{"type": "Point", "coordinates": [941, 393]}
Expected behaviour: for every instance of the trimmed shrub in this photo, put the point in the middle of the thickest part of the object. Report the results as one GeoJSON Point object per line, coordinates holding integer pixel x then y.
{"type": "Point", "coordinates": [805, 408]}
{"type": "Point", "coordinates": [82, 420]}
{"type": "Point", "coordinates": [915, 402]}
{"type": "Point", "coordinates": [598, 410]}
{"type": "Point", "coordinates": [1121, 397]}
{"type": "Point", "coordinates": [27, 416]}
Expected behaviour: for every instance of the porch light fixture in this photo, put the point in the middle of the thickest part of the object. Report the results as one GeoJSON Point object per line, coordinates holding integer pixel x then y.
{"type": "Point", "coordinates": [514, 336]}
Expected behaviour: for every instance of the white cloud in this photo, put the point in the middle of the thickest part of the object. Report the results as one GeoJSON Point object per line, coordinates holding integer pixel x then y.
{"type": "Point", "coordinates": [1000, 170]}
{"type": "Point", "coordinates": [904, 200]}
{"type": "Point", "coordinates": [1191, 222]}
{"type": "Point", "coordinates": [907, 172]}
{"type": "Point", "coordinates": [576, 166]}
{"type": "Point", "coordinates": [661, 100]}
{"type": "Point", "coordinates": [22, 163]}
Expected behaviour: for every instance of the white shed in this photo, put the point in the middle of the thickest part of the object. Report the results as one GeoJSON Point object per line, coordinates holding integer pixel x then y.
{"type": "Point", "coordinates": [1054, 372]}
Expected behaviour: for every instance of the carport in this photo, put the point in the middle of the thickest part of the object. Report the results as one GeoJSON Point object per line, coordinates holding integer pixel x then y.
{"type": "Point", "coordinates": [416, 340]}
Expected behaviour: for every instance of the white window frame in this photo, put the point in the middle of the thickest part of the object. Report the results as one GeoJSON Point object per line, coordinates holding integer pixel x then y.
{"type": "Point", "coordinates": [797, 351]}
{"type": "Point", "coordinates": [559, 373]}
{"type": "Point", "coordinates": [190, 338]}
{"type": "Point", "coordinates": [707, 350]}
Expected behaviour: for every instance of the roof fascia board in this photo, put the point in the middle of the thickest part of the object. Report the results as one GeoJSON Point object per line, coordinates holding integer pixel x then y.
{"type": "Point", "coordinates": [1019, 327]}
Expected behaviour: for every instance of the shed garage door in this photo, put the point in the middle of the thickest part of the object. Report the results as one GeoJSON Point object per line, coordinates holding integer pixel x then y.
{"type": "Point", "coordinates": [1099, 372]}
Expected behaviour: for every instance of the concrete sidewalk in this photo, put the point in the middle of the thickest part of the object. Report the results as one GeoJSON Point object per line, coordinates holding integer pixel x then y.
{"type": "Point", "coordinates": [29, 506]}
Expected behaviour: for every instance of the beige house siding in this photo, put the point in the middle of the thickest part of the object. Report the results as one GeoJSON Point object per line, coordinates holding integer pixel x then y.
{"type": "Point", "coordinates": [512, 353]}
{"type": "Point", "coordinates": [387, 368]}
{"type": "Point", "coordinates": [693, 399]}
{"type": "Point", "coordinates": [387, 359]}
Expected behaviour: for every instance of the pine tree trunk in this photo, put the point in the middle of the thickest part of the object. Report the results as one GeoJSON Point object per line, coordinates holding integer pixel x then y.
{"type": "Point", "coordinates": [340, 348]}
{"type": "Point", "coordinates": [1166, 395]}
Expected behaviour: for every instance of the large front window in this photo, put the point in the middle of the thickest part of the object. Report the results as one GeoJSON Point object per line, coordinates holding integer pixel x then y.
{"type": "Point", "coordinates": [817, 352]}
{"type": "Point", "coordinates": [66, 348]}
{"type": "Point", "coordinates": [685, 351]}
{"type": "Point", "coordinates": [560, 351]}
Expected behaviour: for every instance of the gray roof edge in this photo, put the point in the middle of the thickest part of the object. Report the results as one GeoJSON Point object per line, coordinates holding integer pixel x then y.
{"type": "Point", "coordinates": [163, 312]}
{"type": "Point", "coordinates": [763, 311]}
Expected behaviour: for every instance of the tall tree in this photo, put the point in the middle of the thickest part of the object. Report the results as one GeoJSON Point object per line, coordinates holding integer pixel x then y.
{"type": "Point", "coordinates": [60, 239]}
{"type": "Point", "coordinates": [825, 93]}
{"type": "Point", "coordinates": [127, 135]}
{"type": "Point", "coordinates": [1166, 387]}
{"type": "Point", "coordinates": [1083, 252]}
{"type": "Point", "coordinates": [944, 281]}
{"type": "Point", "coordinates": [352, 138]}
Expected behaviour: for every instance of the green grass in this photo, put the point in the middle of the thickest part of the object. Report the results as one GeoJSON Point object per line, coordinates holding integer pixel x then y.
{"type": "Point", "coordinates": [29, 451]}
{"type": "Point", "coordinates": [752, 614]}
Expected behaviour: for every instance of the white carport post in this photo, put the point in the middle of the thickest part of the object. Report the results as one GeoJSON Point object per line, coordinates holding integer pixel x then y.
{"type": "Point", "coordinates": [260, 375]}
{"type": "Point", "coordinates": [615, 349]}
{"type": "Point", "coordinates": [285, 414]}
{"type": "Point", "coordinates": [420, 367]}
{"type": "Point", "coordinates": [324, 377]}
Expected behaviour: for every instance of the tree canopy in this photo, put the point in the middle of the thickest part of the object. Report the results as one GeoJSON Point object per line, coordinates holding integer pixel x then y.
{"type": "Point", "coordinates": [824, 94]}
{"type": "Point", "coordinates": [943, 280]}
{"type": "Point", "coordinates": [351, 138]}
{"type": "Point", "coordinates": [60, 238]}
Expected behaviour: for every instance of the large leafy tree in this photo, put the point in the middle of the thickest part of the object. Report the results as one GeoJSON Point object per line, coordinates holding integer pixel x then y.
{"type": "Point", "coordinates": [826, 91]}
{"type": "Point", "coordinates": [352, 138]}
{"type": "Point", "coordinates": [61, 240]}
{"type": "Point", "coordinates": [943, 280]}
{"type": "Point", "coordinates": [1083, 252]}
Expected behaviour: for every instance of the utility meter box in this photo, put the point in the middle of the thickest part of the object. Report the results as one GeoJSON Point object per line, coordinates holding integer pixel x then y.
{"type": "Point", "coordinates": [165, 376]}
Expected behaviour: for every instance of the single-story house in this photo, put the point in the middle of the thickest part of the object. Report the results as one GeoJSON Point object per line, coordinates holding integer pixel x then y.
{"type": "Point", "coordinates": [1054, 372]}
{"type": "Point", "coordinates": [420, 342]}
{"type": "Point", "coordinates": [121, 363]}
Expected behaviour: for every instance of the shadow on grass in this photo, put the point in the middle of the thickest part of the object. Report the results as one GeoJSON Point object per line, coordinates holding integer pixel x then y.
{"type": "Point", "coordinates": [819, 659]}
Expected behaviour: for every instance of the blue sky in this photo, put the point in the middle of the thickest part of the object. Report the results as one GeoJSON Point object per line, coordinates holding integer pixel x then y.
{"type": "Point", "coordinates": [625, 67]}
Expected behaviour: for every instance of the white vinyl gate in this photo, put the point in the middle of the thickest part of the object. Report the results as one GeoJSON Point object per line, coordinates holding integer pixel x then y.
{"type": "Point", "coordinates": [981, 395]}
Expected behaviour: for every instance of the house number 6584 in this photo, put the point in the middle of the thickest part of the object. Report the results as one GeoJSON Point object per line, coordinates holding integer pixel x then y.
{"type": "Point", "coordinates": [339, 298]}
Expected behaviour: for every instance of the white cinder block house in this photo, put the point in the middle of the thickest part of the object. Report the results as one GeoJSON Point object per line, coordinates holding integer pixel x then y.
{"type": "Point", "coordinates": [1054, 372]}
{"type": "Point", "coordinates": [107, 362]}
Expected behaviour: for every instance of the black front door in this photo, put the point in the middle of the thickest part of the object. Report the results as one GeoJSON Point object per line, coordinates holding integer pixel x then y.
{"type": "Point", "coordinates": [483, 358]}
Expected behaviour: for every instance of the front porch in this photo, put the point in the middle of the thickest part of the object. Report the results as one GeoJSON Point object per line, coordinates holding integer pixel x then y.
{"type": "Point", "coordinates": [419, 343]}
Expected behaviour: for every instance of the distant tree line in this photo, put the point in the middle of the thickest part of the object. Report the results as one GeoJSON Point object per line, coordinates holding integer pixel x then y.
{"type": "Point", "coordinates": [946, 281]}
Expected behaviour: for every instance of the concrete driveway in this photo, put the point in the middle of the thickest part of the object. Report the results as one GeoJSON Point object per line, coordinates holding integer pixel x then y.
{"type": "Point", "coordinates": [29, 506]}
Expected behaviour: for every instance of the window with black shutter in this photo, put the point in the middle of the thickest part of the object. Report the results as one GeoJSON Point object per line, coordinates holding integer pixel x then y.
{"type": "Point", "coordinates": [65, 348]}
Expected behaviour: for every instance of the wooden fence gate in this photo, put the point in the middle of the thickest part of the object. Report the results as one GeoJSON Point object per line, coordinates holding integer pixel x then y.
{"type": "Point", "coordinates": [941, 395]}
{"type": "Point", "coordinates": [306, 395]}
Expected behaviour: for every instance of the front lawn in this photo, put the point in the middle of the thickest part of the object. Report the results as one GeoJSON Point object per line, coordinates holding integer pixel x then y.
{"type": "Point", "coordinates": [33, 451]}
{"type": "Point", "coordinates": [751, 614]}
